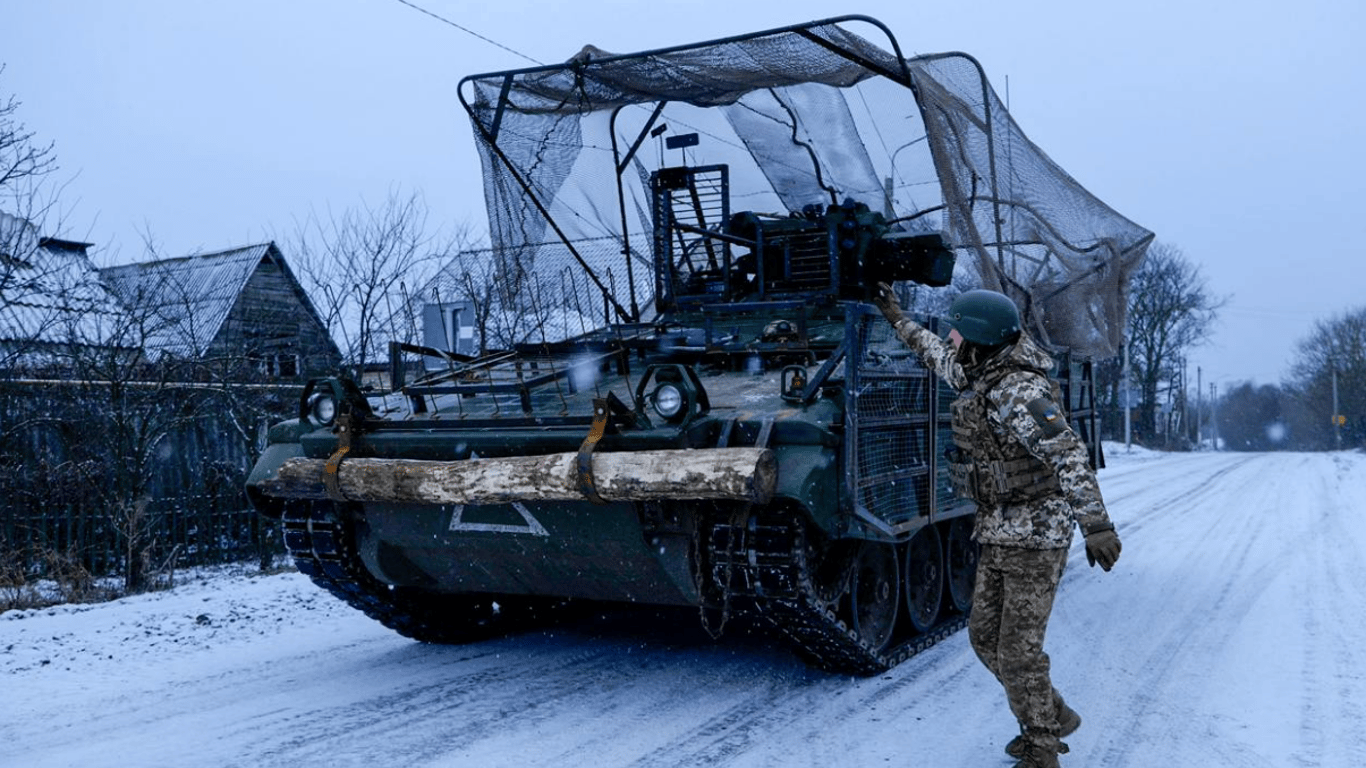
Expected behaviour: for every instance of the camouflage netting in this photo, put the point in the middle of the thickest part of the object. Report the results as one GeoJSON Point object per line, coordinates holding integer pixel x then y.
{"type": "Point", "coordinates": [813, 114]}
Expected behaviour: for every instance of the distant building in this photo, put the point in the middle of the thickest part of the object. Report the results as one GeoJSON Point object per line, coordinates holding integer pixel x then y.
{"type": "Point", "coordinates": [241, 304]}
{"type": "Point", "coordinates": [449, 326]}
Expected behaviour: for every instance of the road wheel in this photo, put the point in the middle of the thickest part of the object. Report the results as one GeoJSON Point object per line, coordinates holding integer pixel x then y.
{"type": "Point", "coordinates": [924, 578]}
{"type": "Point", "coordinates": [961, 556]}
{"type": "Point", "coordinates": [875, 593]}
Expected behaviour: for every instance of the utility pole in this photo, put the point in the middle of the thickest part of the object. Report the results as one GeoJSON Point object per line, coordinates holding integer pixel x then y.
{"type": "Point", "coordinates": [1185, 402]}
{"type": "Point", "coordinates": [1337, 420]}
{"type": "Point", "coordinates": [1128, 402]}
{"type": "Point", "coordinates": [1199, 406]}
{"type": "Point", "coordinates": [1213, 418]}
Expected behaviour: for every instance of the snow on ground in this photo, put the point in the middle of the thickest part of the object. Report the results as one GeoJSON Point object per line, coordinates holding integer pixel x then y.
{"type": "Point", "coordinates": [1230, 634]}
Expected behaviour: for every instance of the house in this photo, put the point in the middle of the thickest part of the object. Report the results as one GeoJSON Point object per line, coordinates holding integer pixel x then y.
{"type": "Point", "coordinates": [241, 304]}
{"type": "Point", "coordinates": [113, 397]}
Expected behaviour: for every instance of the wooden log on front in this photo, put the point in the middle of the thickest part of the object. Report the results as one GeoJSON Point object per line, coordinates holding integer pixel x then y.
{"type": "Point", "coordinates": [739, 474]}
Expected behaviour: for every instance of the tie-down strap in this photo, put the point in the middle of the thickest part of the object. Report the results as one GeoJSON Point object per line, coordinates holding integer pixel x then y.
{"type": "Point", "coordinates": [333, 466]}
{"type": "Point", "coordinates": [585, 461]}
{"type": "Point", "coordinates": [603, 408]}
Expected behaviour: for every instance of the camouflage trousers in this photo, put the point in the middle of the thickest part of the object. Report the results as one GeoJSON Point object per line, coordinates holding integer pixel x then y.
{"type": "Point", "coordinates": [1011, 603]}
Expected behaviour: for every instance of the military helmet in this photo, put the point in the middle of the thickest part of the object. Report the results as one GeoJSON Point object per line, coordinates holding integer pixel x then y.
{"type": "Point", "coordinates": [985, 317]}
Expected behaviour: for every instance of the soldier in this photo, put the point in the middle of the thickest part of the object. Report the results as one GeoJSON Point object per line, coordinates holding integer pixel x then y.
{"type": "Point", "coordinates": [1018, 459]}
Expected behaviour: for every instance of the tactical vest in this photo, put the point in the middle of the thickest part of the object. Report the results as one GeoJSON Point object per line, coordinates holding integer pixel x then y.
{"type": "Point", "coordinates": [986, 468]}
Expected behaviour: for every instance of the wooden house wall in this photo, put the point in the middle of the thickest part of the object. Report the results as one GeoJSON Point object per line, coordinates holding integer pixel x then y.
{"type": "Point", "coordinates": [270, 322]}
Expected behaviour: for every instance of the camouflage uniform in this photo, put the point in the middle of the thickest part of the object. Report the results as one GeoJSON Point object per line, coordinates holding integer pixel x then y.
{"type": "Point", "coordinates": [1025, 525]}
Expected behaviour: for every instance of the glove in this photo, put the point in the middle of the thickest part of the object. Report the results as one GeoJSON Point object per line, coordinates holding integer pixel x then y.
{"type": "Point", "coordinates": [885, 299]}
{"type": "Point", "coordinates": [1102, 546]}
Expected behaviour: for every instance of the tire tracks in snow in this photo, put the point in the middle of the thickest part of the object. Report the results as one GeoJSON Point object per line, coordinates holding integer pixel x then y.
{"type": "Point", "coordinates": [1333, 665]}
{"type": "Point", "coordinates": [1236, 547]}
{"type": "Point", "coordinates": [825, 713]}
{"type": "Point", "coordinates": [430, 712]}
{"type": "Point", "coordinates": [1183, 485]}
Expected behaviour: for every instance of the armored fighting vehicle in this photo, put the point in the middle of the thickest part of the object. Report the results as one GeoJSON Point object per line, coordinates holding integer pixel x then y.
{"type": "Point", "coordinates": [693, 402]}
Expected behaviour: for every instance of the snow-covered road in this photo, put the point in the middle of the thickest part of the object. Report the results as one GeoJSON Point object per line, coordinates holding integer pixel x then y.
{"type": "Point", "coordinates": [1230, 634]}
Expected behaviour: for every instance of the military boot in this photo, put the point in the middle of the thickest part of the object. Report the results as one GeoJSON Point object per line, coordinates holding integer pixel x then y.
{"type": "Point", "coordinates": [1068, 723]}
{"type": "Point", "coordinates": [1038, 755]}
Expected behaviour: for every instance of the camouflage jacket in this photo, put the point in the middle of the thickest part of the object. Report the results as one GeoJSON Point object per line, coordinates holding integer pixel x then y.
{"type": "Point", "coordinates": [1046, 522]}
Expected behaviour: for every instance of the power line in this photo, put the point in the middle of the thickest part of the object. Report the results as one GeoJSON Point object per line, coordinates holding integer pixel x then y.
{"type": "Point", "coordinates": [469, 31]}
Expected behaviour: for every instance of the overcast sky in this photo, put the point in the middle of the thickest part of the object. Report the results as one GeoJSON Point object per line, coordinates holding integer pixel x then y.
{"type": "Point", "coordinates": [1234, 130]}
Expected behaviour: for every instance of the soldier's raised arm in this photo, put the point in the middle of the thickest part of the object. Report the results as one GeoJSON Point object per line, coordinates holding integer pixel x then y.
{"type": "Point", "coordinates": [935, 353]}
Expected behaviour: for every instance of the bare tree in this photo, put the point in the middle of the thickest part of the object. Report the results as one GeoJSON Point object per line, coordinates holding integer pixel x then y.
{"type": "Point", "coordinates": [472, 281]}
{"type": "Point", "coordinates": [1254, 418]}
{"type": "Point", "coordinates": [1171, 310]}
{"type": "Point", "coordinates": [41, 298]}
{"type": "Point", "coordinates": [23, 162]}
{"type": "Point", "coordinates": [25, 273]}
{"type": "Point", "coordinates": [358, 266]}
{"type": "Point", "coordinates": [233, 367]}
{"type": "Point", "coordinates": [1334, 353]}
{"type": "Point", "coordinates": [92, 413]}
{"type": "Point", "coordinates": [512, 299]}
{"type": "Point", "coordinates": [127, 405]}
{"type": "Point", "coordinates": [33, 304]}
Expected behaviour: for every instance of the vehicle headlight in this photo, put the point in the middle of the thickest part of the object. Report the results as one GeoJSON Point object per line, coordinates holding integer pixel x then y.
{"type": "Point", "coordinates": [323, 408]}
{"type": "Point", "coordinates": [668, 400]}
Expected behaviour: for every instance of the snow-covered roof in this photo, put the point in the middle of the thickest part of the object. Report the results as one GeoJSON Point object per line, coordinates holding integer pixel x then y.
{"type": "Point", "coordinates": [191, 296]}
{"type": "Point", "coordinates": [50, 292]}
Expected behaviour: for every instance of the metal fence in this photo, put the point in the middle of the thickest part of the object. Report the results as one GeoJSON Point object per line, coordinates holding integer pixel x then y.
{"type": "Point", "coordinates": [54, 477]}
{"type": "Point", "coordinates": [193, 530]}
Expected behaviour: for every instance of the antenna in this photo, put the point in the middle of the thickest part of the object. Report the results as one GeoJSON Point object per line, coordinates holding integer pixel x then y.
{"type": "Point", "coordinates": [681, 142]}
{"type": "Point", "coordinates": [656, 134]}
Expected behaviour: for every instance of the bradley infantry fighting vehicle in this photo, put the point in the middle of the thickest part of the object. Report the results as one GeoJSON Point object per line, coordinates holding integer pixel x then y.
{"type": "Point", "coordinates": [697, 404]}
